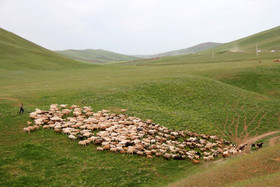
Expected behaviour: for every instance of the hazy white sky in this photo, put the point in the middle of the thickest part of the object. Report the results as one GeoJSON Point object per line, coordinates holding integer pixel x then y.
{"type": "Point", "coordinates": [136, 26]}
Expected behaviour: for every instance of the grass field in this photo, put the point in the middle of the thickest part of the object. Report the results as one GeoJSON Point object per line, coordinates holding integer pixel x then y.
{"type": "Point", "coordinates": [216, 96]}
{"type": "Point", "coordinates": [265, 41]}
{"type": "Point", "coordinates": [240, 171]}
{"type": "Point", "coordinates": [96, 56]}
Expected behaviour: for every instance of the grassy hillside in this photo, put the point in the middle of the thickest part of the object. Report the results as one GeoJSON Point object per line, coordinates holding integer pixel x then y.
{"type": "Point", "coordinates": [17, 53]}
{"type": "Point", "coordinates": [95, 56]}
{"type": "Point", "coordinates": [181, 96]}
{"type": "Point", "coordinates": [190, 50]}
{"type": "Point", "coordinates": [240, 171]}
{"type": "Point", "coordinates": [266, 41]}
{"type": "Point", "coordinates": [230, 95]}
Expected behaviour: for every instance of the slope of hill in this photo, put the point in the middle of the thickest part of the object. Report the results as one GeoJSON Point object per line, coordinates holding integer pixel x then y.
{"type": "Point", "coordinates": [266, 41]}
{"type": "Point", "coordinates": [18, 53]}
{"type": "Point", "coordinates": [261, 168]}
{"type": "Point", "coordinates": [95, 56]}
{"type": "Point", "coordinates": [230, 95]}
{"type": "Point", "coordinates": [190, 50]}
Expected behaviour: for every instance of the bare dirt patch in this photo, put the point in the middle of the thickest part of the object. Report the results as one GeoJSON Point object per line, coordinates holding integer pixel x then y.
{"type": "Point", "coordinates": [9, 98]}
{"type": "Point", "coordinates": [274, 141]}
{"type": "Point", "coordinates": [276, 159]}
{"type": "Point", "coordinates": [274, 93]}
{"type": "Point", "coordinates": [16, 101]}
{"type": "Point", "coordinates": [256, 138]}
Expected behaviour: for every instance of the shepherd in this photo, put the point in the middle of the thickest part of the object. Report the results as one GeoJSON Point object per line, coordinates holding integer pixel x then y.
{"type": "Point", "coordinates": [21, 109]}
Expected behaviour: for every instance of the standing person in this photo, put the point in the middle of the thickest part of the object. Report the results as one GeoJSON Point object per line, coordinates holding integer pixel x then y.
{"type": "Point", "coordinates": [21, 109]}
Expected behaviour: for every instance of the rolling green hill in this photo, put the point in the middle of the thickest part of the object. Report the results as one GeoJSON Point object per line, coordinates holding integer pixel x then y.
{"type": "Point", "coordinates": [266, 41]}
{"type": "Point", "coordinates": [231, 95]}
{"type": "Point", "coordinates": [95, 56]}
{"type": "Point", "coordinates": [17, 53]}
{"type": "Point", "coordinates": [190, 50]}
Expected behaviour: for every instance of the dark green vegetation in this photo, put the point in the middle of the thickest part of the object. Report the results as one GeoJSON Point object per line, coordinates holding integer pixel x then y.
{"type": "Point", "coordinates": [199, 93]}
{"type": "Point", "coordinates": [96, 56]}
{"type": "Point", "coordinates": [186, 51]}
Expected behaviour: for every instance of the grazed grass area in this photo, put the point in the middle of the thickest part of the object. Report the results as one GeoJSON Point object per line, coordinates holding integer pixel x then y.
{"type": "Point", "coordinates": [178, 96]}
{"type": "Point", "coordinates": [215, 96]}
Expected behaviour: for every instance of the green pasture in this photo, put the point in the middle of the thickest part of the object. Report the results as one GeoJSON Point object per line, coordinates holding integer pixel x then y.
{"type": "Point", "coordinates": [96, 56]}
{"type": "Point", "coordinates": [196, 96]}
{"type": "Point", "coordinates": [196, 92]}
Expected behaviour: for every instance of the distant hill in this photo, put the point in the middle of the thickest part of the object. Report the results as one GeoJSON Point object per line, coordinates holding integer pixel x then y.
{"type": "Point", "coordinates": [19, 53]}
{"type": "Point", "coordinates": [190, 50]}
{"type": "Point", "coordinates": [266, 41]}
{"type": "Point", "coordinates": [95, 55]}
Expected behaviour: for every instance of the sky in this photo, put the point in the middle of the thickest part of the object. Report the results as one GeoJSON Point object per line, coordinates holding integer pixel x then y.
{"type": "Point", "coordinates": [136, 27]}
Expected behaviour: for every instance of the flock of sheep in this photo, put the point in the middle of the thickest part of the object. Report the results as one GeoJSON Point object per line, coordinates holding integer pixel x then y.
{"type": "Point", "coordinates": [129, 135]}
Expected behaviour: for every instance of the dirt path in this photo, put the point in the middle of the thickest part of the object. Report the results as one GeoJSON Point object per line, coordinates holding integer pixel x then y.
{"type": "Point", "coordinates": [273, 141]}
{"type": "Point", "coordinates": [256, 138]}
{"type": "Point", "coordinates": [9, 98]}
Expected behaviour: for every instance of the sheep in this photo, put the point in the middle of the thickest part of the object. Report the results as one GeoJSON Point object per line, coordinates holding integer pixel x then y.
{"type": "Point", "coordinates": [182, 146]}
{"type": "Point", "coordinates": [190, 157]}
{"type": "Point", "coordinates": [206, 158]}
{"type": "Point", "coordinates": [98, 141]}
{"type": "Point", "coordinates": [46, 126]}
{"type": "Point", "coordinates": [72, 137]}
{"type": "Point", "coordinates": [149, 121]}
{"type": "Point", "coordinates": [149, 156]}
{"type": "Point", "coordinates": [32, 128]}
{"type": "Point", "coordinates": [26, 129]}
{"type": "Point", "coordinates": [58, 130]}
{"type": "Point", "coordinates": [158, 154]}
{"type": "Point", "coordinates": [148, 152]}
{"type": "Point", "coordinates": [206, 153]}
{"type": "Point", "coordinates": [140, 153]}
{"type": "Point", "coordinates": [63, 106]}
{"type": "Point", "coordinates": [213, 137]}
{"type": "Point", "coordinates": [106, 147]}
{"type": "Point", "coordinates": [83, 143]}
{"type": "Point", "coordinates": [87, 134]}
{"type": "Point", "coordinates": [66, 111]}
{"type": "Point", "coordinates": [241, 147]}
{"type": "Point", "coordinates": [130, 151]}
{"type": "Point", "coordinates": [33, 115]}
{"type": "Point", "coordinates": [233, 151]}
{"type": "Point", "coordinates": [167, 156]}
{"type": "Point", "coordinates": [174, 133]}
{"type": "Point", "coordinates": [225, 154]}
{"type": "Point", "coordinates": [99, 148]}
{"type": "Point", "coordinates": [195, 161]}
{"type": "Point", "coordinates": [119, 148]}
{"type": "Point", "coordinates": [113, 149]}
